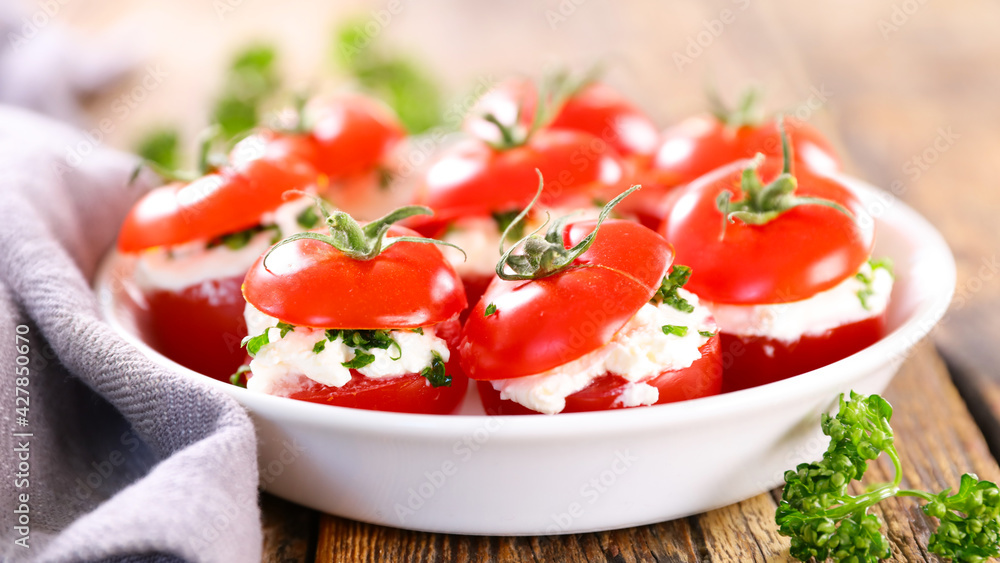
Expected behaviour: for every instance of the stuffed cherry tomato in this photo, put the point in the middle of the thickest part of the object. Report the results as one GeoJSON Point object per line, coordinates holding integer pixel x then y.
{"type": "Point", "coordinates": [195, 241]}
{"type": "Point", "coordinates": [703, 143]}
{"type": "Point", "coordinates": [785, 267]}
{"type": "Point", "coordinates": [364, 317]}
{"type": "Point", "coordinates": [589, 319]}
{"type": "Point", "coordinates": [475, 188]}
{"type": "Point", "coordinates": [356, 140]}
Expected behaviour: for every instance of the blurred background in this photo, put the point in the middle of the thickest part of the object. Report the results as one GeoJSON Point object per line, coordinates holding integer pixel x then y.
{"type": "Point", "coordinates": [908, 90]}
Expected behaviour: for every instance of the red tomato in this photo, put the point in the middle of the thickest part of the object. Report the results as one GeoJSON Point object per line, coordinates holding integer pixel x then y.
{"type": "Point", "coordinates": [702, 379]}
{"type": "Point", "coordinates": [200, 327]}
{"type": "Point", "coordinates": [756, 361]}
{"type": "Point", "coordinates": [701, 144]}
{"type": "Point", "coordinates": [473, 178]}
{"type": "Point", "coordinates": [544, 323]}
{"type": "Point", "coordinates": [409, 285]}
{"type": "Point", "coordinates": [803, 251]}
{"type": "Point", "coordinates": [263, 168]}
{"type": "Point", "coordinates": [596, 109]}
{"type": "Point", "coordinates": [352, 134]}
{"type": "Point", "coordinates": [409, 393]}
{"type": "Point", "coordinates": [310, 283]}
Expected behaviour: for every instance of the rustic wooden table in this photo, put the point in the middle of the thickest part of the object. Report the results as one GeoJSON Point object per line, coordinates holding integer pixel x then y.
{"type": "Point", "coordinates": [908, 89]}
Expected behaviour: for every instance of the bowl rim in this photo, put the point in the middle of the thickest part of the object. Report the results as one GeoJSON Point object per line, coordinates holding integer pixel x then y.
{"type": "Point", "coordinates": [892, 347]}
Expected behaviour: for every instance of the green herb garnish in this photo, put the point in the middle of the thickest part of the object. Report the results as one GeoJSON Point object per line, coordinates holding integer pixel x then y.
{"type": "Point", "coordinates": [360, 360]}
{"type": "Point", "coordinates": [505, 219]}
{"type": "Point", "coordinates": [490, 309]}
{"type": "Point", "coordinates": [308, 219]}
{"type": "Point", "coordinates": [824, 521]}
{"type": "Point", "coordinates": [435, 373]}
{"type": "Point", "coordinates": [706, 333]}
{"type": "Point", "coordinates": [866, 292]}
{"type": "Point", "coordinates": [319, 346]}
{"type": "Point", "coordinates": [676, 330]}
{"type": "Point", "coordinates": [237, 378]}
{"type": "Point", "coordinates": [239, 239]}
{"type": "Point", "coordinates": [667, 293]}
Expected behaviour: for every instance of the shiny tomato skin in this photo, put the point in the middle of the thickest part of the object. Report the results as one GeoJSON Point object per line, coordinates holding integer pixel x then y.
{"type": "Point", "coordinates": [754, 361]}
{"type": "Point", "coordinates": [201, 326]}
{"type": "Point", "coordinates": [410, 393]}
{"type": "Point", "coordinates": [805, 250]}
{"type": "Point", "coordinates": [229, 200]}
{"type": "Point", "coordinates": [596, 109]}
{"type": "Point", "coordinates": [352, 134]}
{"type": "Point", "coordinates": [474, 179]}
{"type": "Point", "coordinates": [541, 324]}
{"type": "Point", "coordinates": [310, 283]}
{"type": "Point", "coordinates": [601, 111]}
{"type": "Point", "coordinates": [703, 378]}
{"type": "Point", "coordinates": [701, 144]}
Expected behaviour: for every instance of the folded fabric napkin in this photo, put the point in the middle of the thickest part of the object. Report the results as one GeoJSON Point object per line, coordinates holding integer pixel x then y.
{"type": "Point", "coordinates": [105, 455]}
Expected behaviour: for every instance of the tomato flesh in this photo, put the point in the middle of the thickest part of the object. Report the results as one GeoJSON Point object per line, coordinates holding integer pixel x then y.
{"type": "Point", "coordinates": [702, 378]}
{"type": "Point", "coordinates": [752, 360]}
{"type": "Point", "coordinates": [201, 326]}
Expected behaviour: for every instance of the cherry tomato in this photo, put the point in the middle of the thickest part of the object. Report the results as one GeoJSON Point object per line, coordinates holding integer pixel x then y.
{"type": "Point", "coordinates": [805, 250]}
{"type": "Point", "coordinates": [596, 108]}
{"type": "Point", "coordinates": [352, 134]}
{"type": "Point", "coordinates": [703, 378]}
{"type": "Point", "coordinates": [410, 393]}
{"type": "Point", "coordinates": [701, 144]}
{"type": "Point", "coordinates": [201, 326]}
{"type": "Point", "coordinates": [309, 283]}
{"type": "Point", "coordinates": [232, 199]}
{"type": "Point", "coordinates": [473, 178]}
{"type": "Point", "coordinates": [544, 323]}
{"type": "Point", "coordinates": [756, 360]}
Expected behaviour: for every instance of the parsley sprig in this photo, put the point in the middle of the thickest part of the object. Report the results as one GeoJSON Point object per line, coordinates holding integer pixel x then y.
{"type": "Point", "coordinates": [824, 521]}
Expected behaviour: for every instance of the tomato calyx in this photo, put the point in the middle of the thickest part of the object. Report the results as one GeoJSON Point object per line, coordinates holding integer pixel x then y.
{"type": "Point", "coordinates": [762, 203]}
{"type": "Point", "coordinates": [543, 256]}
{"type": "Point", "coordinates": [553, 92]}
{"type": "Point", "coordinates": [747, 112]}
{"type": "Point", "coordinates": [356, 241]}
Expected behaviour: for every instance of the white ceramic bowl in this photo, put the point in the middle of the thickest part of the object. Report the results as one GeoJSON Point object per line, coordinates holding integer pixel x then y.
{"type": "Point", "coordinates": [472, 474]}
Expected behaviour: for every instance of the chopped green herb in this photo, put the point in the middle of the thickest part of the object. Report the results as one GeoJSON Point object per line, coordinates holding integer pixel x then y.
{"type": "Point", "coordinates": [419, 331]}
{"type": "Point", "coordinates": [285, 328]}
{"type": "Point", "coordinates": [252, 79]}
{"type": "Point", "coordinates": [676, 330]}
{"type": "Point", "coordinates": [319, 346]}
{"type": "Point", "coordinates": [360, 360]}
{"type": "Point", "coordinates": [491, 309]}
{"type": "Point", "coordinates": [706, 334]}
{"type": "Point", "coordinates": [308, 218]}
{"type": "Point", "coordinates": [504, 220]}
{"type": "Point", "coordinates": [239, 239]}
{"type": "Point", "coordinates": [237, 378]}
{"type": "Point", "coordinates": [435, 373]}
{"type": "Point", "coordinates": [866, 292]}
{"type": "Point", "coordinates": [667, 293]}
{"type": "Point", "coordinates": [366, 339]}
{"type": "Point", "coordinates": [253, 344]}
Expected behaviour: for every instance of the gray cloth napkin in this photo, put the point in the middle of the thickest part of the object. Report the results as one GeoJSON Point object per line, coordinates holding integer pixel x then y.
{"type": "Point", "coordinates": [126, 461]}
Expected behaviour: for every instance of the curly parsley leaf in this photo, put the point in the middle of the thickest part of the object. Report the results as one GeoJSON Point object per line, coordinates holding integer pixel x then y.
{"type": "Point", "coordinates": [824, 521]}
{"type": "Point", "coordinates": [435, 373]}
{"type": "Point", "coordinates": [667, 293]}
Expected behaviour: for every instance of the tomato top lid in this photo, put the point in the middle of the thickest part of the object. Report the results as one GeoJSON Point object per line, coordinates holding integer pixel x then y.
{"type": "Point", "coordinates": [548, 308]}
{"type": "Point", "coordinates": [757, 243]}
{"type": "Point", "coordinates": [262, 168]}
{"type": "Point", "coordinates": [374, 276]}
